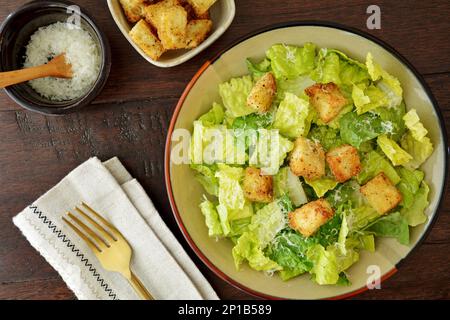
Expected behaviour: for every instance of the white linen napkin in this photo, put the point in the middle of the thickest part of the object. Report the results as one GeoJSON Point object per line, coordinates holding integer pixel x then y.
{"type": "Point", "coordinates": [158, 259]}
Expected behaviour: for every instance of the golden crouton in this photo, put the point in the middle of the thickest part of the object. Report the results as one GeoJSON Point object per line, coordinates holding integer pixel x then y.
{"type": "Point", "coordinates": [169, 18]}
{"type": "Point", "coordinates": [381, 193]}
{"type": "Point", "coordinates": [307, 159]}
{"type": "Point", "coordinates": [142, 35]}
{"type": "Point", "coordinates": [262, 94]}
{"type": "Point", "coordinates": [310, 217]}
{"type": "Point", "coordinates": [257, 187]}
{"type": "Point", "coordinates": [133, 9]}
{"type": "Point", "coordinates": [201, 6]}
{"type": "Point", "coordinates": [327, 99]}
{"type": "Point", "coordinates": [344, 162]}
{"type": "Point", "coordinates": [152, 13]}
{"type": "Point", "coordinates": [196, 32]}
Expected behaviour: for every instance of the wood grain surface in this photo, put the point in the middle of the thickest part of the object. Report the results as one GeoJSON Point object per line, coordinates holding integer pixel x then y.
{"type": "Point", "coordinates": [130, 118]}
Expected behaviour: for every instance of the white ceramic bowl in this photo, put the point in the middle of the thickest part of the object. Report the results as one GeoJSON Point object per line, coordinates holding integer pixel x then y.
{"type": "Point", "coordinates": [185, 192]}
{"type": "Point", "coordinates": [222, 14]}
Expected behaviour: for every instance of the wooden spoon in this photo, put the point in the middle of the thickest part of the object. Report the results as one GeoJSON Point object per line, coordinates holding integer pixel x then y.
{"type": "Point", "coordinates": [57, 67]}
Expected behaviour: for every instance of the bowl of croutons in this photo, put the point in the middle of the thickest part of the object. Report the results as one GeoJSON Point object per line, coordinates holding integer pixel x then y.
{"type": "Point", "coordinates": [306, 161]}
{"type": "Point", "coordinates": [169, 32]}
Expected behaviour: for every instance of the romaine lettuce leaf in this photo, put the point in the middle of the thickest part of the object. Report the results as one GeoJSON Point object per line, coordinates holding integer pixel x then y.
{"type": "Point", "coordinates": [393, 225]}
{"type": "Point", "coordinates": [373, 163]}
{"type": "Point", "coordinates": [357, 129]}
{"type": "Point", "coordinates": [285, 182]}
{"type": "Point", "coordinates": [264, 226]}
{"type": "Point", "coordinates": [234, 95]}
{"type": "Point", "coordinates": [213, 117]}
{"type": "Point", "coordinates": [230, 193]}
{"type": "Point", "coordinates": [253, 121]}
{"type": "Point", "coordinates": [393, 151]}
{"type": "Point", "coordinates": [361, 240]}
{"type": "Point", "coordinates": [409, 185]}
{"type": "Point", "coordinates": [346, 193]}
{"type": "Point", "coordinates": [360, 217]}
{"type": "Point", "coordinates": [328, 137]}
{"type": "Point", "coordinates": [248, 248]}
{"type": "Point", "coordinates": [334, 66]}
{"type": "Point", "coordinates": [343, 233]}
{"type": "Point", "coordinates": [419, 150]}
{"type": "Point", "coordinates": [367, 98]}
{"type": "Point", "coordinates": [206, 177]}
{"type": "Point", "coordinates": [329, 263]}
{"type": "Point", "coordinates": [267, 222]}
{"type": "Point", "coordinates": [288, 250]}
{"type": "Point", "coordinates": [296, 86]}
{"type": "Point", "coordinates": [393, 123]}
{"type": "Point", "coordinates": [269, 151]}
{"type": "Point", "coordinates": [412, 122]}
{"type": "Point", "coordinates": [291, 61]}
{"type": "Point", "coordinates": [211, 218]}
{"type": "Point", "coordinates": [414, 214]}
{"type": "Point", "coordinates": [322, 185]}
{"type": "Point", "coordinates": [258, 69]}
{"type": "Point", "coordinates": [325, 268]}
{"type": "Point", "coordinates": [293, 117]}
{"type": "Point", "coordinates": [386, 82]}
{"type": "Point", "coordinates": [224, 219]}
{"type": "Point", "coordinates": [239, 226]}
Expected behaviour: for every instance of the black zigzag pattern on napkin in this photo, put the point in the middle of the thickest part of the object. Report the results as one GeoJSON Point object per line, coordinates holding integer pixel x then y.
{"type": "Point", "coordinates": [75, 250]}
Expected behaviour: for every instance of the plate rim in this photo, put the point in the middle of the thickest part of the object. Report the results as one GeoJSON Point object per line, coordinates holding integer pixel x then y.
{"type": "Point", "coordinates": [319, 23]}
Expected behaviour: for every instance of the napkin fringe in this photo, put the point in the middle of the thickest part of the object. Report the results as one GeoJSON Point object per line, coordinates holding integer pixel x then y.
{"type": "Point", "coordinates": [68, 243]}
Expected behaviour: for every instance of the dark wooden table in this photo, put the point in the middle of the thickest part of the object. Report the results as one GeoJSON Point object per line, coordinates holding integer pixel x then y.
{"type": "Point", "coordinates": [130, 118]}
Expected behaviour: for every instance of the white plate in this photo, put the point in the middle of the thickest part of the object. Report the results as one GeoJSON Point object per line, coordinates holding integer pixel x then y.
{"type": "Point", "coordinates": [222, 14]}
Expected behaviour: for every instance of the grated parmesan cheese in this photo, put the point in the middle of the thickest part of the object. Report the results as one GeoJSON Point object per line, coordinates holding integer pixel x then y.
{"type": "Point", "coordinates": [81, 51]}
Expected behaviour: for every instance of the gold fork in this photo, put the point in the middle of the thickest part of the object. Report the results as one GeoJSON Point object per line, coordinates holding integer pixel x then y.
{"type": "Point", "coordinates": [109, 246]}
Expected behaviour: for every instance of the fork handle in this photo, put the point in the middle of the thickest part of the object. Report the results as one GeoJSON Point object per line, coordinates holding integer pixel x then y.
{"type": "Point", "coordinates": [139, 287]}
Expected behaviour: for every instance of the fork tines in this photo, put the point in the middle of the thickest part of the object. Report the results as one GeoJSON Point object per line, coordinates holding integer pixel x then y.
{"type": "Point", "coordinates": [98, 240]}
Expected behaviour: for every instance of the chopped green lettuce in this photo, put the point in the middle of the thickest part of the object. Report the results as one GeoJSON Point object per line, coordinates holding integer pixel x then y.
{"type": "Point", "coordinates": [346, 193]}
{"type": "Point", "coordinates": [230, 192]}
{"type": "Point", "coordinates": [288, 250]}
{"type": "Point", "coordinates": [211, 218]}
{"type": "Point", "coordinates": [293, 117]}
{"type": "Point", "coordinates": [360, 217]}
{"type": "Point", "coordinates": [367, 98]}
{"type": "Point", "coordinates": [291, 61]}
{"type": "Point", "coordinates": [409, 185]}
{"type": "Point", "coordinates": [253, 121]}
{"type": "Point", "coordinates": [285, 182]}
{"type": "Point", "coordinates": [234, 95]}
{"type": "Point", "coordinates": [386, 82]}
{"type": "Point", "coordinates": [393, 123]}
{"type": "Point", "coordinates": [264, 226]}
{"type": "Point", "coordinates": [224, 219]}
{"type": "Point", "coordinates": [373, 163]}
{"type": "Point", "coordinates": [328, 137]}
{"type": "Point", "coordinates": [322, 185]}
{"type": "Point", "coordinates": [393, 151]}
{"type": "Point", "coordinates": [414, 214]}
{"type": "Point", "coordinates": [329, 263]}
{"type": "Point", "coordinates": [356, 129]}
{"type": "Point", "coordinates": [334, 66]}
{"type": "Point", "coordinates": [258, 69]}
{"type": "Point", "coordinates": [393, 225]}
{"type": "Point", "coordinates": [206, 177]}
{"type": "Point", "coordinates": [213, 117]}
{"type": "Point", "coordinates": [296, 86]}
{"type": "Point", "coordinates": [419, 150]}
{"type": "Point", "coordinates": [247, 248]}
{"type": "Point", "coordinates": [412, 122]}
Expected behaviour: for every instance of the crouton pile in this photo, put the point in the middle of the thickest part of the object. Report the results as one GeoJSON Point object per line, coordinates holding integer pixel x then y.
{"type": "Point", "coordinates": [165, 25]}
